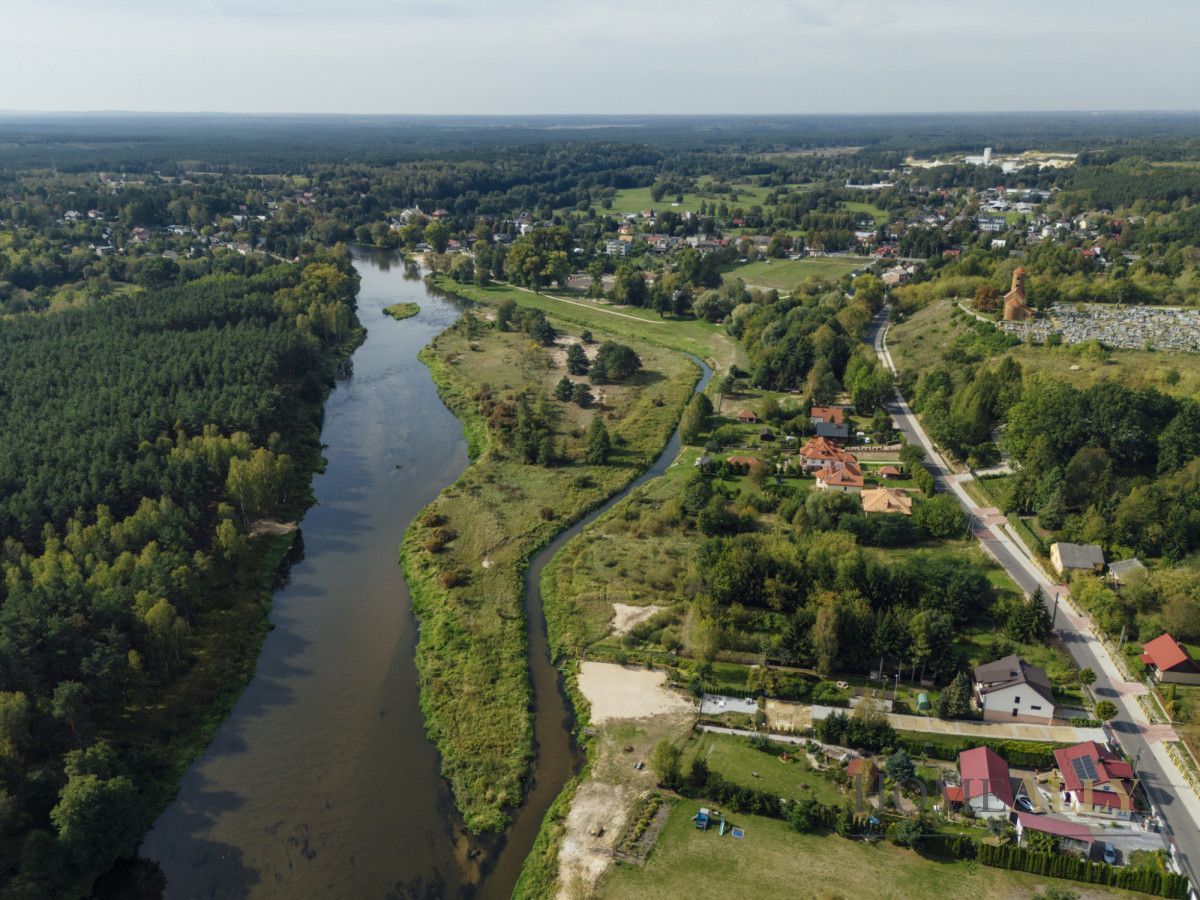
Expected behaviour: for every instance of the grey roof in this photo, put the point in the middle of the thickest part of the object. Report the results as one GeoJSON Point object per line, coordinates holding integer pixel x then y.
{"type": "Point", "coordinates": [1080, 556]}
{"type": "Point", "coordinates": [1124, 568]}
{"type": "Point", "coordinates": [832, 430]}
{"type": "Point", "coordinates": [1012, 670]}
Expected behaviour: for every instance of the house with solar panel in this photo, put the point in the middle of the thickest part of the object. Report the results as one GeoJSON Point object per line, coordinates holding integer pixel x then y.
{"type": "Point", "coordinates": [1095, 781]}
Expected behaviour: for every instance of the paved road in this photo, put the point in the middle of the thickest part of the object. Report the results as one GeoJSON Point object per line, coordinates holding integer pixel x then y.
{"type": "Point", "coordinates": [1176, 804]}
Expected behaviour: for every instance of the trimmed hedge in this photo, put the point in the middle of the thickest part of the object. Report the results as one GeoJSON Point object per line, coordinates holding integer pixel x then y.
{"type": "Point", "coordinates": [1061, 865]}
{"type": "Point", "coordinates": [1021, 754]}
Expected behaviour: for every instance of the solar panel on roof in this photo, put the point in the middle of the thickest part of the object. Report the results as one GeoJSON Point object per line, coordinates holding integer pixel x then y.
{"type": "Point", "coordinates": [1084, 768]}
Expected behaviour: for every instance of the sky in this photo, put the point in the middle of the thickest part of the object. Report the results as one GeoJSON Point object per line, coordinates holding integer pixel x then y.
{"type": "Point", "coordinates": [612, 56]}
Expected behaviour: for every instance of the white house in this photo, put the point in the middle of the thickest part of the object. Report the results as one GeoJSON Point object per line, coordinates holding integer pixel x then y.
{"type": "Point", "coordinates": [1012, 690]}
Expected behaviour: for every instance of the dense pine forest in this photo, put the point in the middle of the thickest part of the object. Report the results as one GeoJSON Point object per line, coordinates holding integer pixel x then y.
{"type": "Point", "coordinates": [144, 438]}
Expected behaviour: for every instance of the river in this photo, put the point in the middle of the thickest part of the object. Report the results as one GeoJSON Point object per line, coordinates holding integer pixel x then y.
{"type": "Point", "coordinates": [322, 782]}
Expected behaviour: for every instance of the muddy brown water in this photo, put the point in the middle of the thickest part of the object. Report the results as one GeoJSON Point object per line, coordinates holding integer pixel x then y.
{"type": "Point", "coordinates": [322, 782]}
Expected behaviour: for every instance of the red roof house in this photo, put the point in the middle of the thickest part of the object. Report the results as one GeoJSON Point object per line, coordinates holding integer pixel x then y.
{"type": "Point", "coordinates": [834, 414]}
{"type": "Point", "coordinates": [847, 478]}
{"type": "Point", "coordinates": [747, 415]}
{"type": "Point", "coordinates": [986, 782]}
{"type": "Point", "coordinates": [1095, 781]}
{"type": "Point", "coordinates": [1072, 836]}
{"type": "Point", "coordinates": [891, 472]}
{"type": "Point", "coordinates": [1170, 662]}
{"type": "Point", "coordinates": [862, 766]}
{"type": "Point", "coordinates": [821, 453]}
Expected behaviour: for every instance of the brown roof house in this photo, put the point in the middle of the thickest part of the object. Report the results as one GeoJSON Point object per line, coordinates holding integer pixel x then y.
{"type": "Point", "coordinates": [1012, 690]}
{"type": "Point", "coordinates": [887, 500]}
{"type": "Point", "coordinates": [747, 416]}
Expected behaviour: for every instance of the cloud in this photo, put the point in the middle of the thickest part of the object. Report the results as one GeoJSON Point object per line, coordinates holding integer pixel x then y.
{"type": "Point", "coordinates": [528, 56]}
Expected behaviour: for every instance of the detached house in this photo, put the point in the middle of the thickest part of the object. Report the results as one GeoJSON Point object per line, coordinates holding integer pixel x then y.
{"type": "Point", "coordinates": [747, 417]}
{"type": "Point", "coordinates": [821, 453]}
{"type": "Point", "coordinates": [887, 500]}
{"type": "Point", "coordinates": [1095, 781]}
{"type": "Point", "coordinates": [987, 785]}
{"type": "Point", "coordinates": [1067, 558]}
{"type": "Point", "coordinates": [1169, 662]}
{"type": "Point", "coordinates": [1012, 690]}
{"type": "Point", "coordinates": [847, 478]}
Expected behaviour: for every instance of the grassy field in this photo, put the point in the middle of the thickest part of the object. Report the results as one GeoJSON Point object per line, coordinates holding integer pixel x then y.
{"type": "Point", "coordinates": [789, 274]}
{"type": "Point", "coordinates": [774, 861]}
{"type": "Point", "coordinates": [704, 339]}
{"type": "Point", "coordinates": [464, 558]}
{"type": "Point", "coordinates": [734, 759]}
{"type": "Point", "coordinates": [919, 343]}
{"type": "Point", "coordinates": [881, 216]}
{"type": "Point", "coordinates": [632, 200]}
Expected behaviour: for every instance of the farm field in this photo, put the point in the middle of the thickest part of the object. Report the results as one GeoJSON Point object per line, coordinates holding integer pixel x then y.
{"type": "Point", "coordinates": [789, 274]}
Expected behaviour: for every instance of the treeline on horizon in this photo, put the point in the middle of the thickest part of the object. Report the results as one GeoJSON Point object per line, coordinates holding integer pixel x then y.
{"type": "Point", "coordinates": [283, 143]}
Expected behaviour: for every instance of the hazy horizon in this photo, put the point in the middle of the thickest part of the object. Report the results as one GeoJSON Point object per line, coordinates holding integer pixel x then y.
{"type": "Point", "coordinates": [772, 57]}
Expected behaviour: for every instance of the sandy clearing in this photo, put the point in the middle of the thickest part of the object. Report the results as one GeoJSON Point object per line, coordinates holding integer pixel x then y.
{"type": "Point", "coordinates": [594, 825]}
{"type": "Point", "coordinates": [626, 616]}
{"type": "Point", "coordinates": [272, 527]}
{"type": "Point", "coordinates": [626, 692]}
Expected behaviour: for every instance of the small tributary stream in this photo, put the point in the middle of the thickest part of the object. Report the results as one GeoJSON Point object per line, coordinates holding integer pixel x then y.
{"type": "Point", "coordinates": [322, 782]}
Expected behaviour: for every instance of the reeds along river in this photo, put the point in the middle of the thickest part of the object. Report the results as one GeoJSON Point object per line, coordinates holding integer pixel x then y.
{"type": "Point", "coordinates": [322, 782]}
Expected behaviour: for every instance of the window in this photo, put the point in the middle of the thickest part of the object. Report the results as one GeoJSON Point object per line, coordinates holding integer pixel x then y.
{"type": "Point", "coordinates": [1038, 708]}
{"type": "Point", "coordinates": [1017, 701]}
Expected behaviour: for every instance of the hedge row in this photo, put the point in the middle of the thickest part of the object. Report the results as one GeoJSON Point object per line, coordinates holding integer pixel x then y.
{"type": "Point", "coordinates": [1020, 754]}
{"type": "Point", "coordinates": [1061, 865]}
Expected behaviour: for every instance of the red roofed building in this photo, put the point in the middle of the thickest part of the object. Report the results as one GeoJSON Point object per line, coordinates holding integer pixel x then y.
{"type": "Point", "coordinates": [1169, 662]}
{"type": "Point", "coordinates": [743, 461]}
{"type": "Point", "coordinates": [747, 416]}
{"type": "Point", "coordinates": [822, 453]}
{"type": "Point", "coordinates": [1095, 781]}
{"type": "Point", "coordinates": [832, 414]}
{"type": "Point", "coordinates": [865, 768]}
{"type": "Point", "coordinates": [848, 479]}
{"type": "Point", "coordinates": [987, 785]}
{"type": "Point", "coordinates": [1072, 836]}
{"type": "Point", "coordinates": [891, 472]}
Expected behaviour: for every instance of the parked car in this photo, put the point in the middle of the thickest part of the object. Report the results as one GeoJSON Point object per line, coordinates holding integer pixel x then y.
{"type": "Point", "coordinates": [1110, 854]}
{"type": "Point", "coordinates": [1024, 804]}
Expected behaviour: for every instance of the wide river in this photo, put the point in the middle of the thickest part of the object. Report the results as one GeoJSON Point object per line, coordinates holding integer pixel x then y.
{"type": "Point", "coordinates": [322, 782]}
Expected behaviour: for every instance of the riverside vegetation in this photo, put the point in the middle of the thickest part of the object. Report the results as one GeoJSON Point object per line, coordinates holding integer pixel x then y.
{"type": "Point", "coordinates": [538, 464]}
{"type": "Point", "coordinates": [136, 581]}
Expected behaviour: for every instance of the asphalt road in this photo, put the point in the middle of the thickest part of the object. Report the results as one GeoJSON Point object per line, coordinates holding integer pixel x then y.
{"type": "Point", "coordinates": [1178, 822]}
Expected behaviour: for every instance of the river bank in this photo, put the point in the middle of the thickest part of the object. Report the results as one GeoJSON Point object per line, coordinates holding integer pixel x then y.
{"type": "Point", "coordinates": [321, 781]}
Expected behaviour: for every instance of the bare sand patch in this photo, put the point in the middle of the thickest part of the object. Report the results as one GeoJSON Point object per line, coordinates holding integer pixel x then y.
{"type": "Point", "coordinates": [626, 616]}
{"type": "Point", "coordinates": [626, 692]}
{"type": "Point", "coordinates": [272, 527]}
{"type": "Point", "coordinates": [594, 825]}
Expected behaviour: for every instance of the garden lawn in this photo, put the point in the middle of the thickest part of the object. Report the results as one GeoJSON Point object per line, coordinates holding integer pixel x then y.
{"type": "Point", "coordinates": [735, 760]}
{"type": "Point", "coordinates": [789, 274]}
{"type": "Point", "coordinates": [774, 861]}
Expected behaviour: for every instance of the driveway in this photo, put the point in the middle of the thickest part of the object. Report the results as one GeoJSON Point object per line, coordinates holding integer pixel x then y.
{"type": "Point", "coordinates": [999, 731]}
